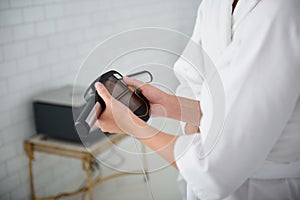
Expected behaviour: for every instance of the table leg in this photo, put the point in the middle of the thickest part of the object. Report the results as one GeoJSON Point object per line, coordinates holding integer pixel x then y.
{"type": "Point", "coordinates": [29, 153]}
{"type": "Point", "coordinates": [86, 169]}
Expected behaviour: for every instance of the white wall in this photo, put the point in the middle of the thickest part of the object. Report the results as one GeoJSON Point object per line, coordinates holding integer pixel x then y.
{"type": "Point", "coordinates": [42, 43]}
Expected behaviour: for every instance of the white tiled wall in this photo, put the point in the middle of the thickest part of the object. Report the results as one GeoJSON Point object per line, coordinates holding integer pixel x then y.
{"type": "Point", "coordinates": [42, 43]}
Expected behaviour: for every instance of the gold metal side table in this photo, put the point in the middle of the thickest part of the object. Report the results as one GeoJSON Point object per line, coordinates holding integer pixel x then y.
{"type": "Point", "coordinates": [77, 151]}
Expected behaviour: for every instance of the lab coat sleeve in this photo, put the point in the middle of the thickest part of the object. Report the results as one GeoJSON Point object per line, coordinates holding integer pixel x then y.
{"type": "Point", "coordinates": [261, 87]}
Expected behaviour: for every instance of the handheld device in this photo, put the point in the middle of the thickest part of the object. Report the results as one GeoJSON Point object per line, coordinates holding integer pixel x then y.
{"type": "Point", "coordinates": [113, 82]}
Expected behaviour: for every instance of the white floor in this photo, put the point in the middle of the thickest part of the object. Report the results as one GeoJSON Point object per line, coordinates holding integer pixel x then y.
{"type": "Point", "coordinates": [162, 183]}
{"type": "Point", "coordinates": [133, 187]}
{"type": "Point", "coordinates": [162, 179]}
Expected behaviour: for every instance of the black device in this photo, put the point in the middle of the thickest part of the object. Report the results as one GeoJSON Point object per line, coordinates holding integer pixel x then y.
{"type": "Point", "coordinates": [129, 96]}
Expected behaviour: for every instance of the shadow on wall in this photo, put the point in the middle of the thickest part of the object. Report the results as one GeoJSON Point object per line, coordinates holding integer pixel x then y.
{"type": "Point", "coordinates": [42, 44]}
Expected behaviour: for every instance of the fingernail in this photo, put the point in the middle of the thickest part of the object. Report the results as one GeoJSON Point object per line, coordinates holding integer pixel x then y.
{"type": "Point", "coordinates": [97, 85]}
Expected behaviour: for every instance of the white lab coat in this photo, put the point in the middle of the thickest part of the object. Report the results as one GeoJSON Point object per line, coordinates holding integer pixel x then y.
{"type": "Point", "coordinates": [257, 54]}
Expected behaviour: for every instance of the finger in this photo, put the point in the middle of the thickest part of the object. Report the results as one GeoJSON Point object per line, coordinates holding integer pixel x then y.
{"type": "Point", "coordinates": [134, 82]}
{"type": "Point", "coordinates": [102, 91]}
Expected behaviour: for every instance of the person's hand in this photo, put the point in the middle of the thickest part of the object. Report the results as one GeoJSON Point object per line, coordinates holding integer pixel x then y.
{"type": "Point", "coordinates": [155, 96]}
{"type": "Point", "coordinates": [116, 118]}
{"type": "Point", "coordinates": [167, 105]}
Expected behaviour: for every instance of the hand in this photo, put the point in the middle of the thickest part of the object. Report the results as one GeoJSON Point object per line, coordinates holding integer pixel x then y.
{"type": "Point", "coordinates": [155, 96]}
{"type": "Point", "coordinates": [170, 106]}
{"type": "Point", "coordinates": [116, 118]}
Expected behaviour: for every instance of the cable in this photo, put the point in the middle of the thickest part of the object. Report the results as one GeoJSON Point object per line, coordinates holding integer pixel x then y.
{"type": "Point", "coordinates": [143, 170]}
{"type": "Point", "coordinates": [142, 72]}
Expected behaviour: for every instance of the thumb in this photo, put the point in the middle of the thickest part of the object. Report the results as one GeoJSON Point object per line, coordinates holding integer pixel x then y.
{"type": "Point", "coordinates": [102, 91]}
{"type": "Point", "coordinates": [134, 82]}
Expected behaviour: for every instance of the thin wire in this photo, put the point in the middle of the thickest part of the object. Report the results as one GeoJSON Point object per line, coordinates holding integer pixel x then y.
{"type": "Point", "coordinates": [143, 170]}
{"type": "Point", "coordinates": [142, 72]}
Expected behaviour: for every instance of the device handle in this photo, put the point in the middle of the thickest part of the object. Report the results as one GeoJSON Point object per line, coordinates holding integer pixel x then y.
{"type": "Point", "coordinates": [89, 115]}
